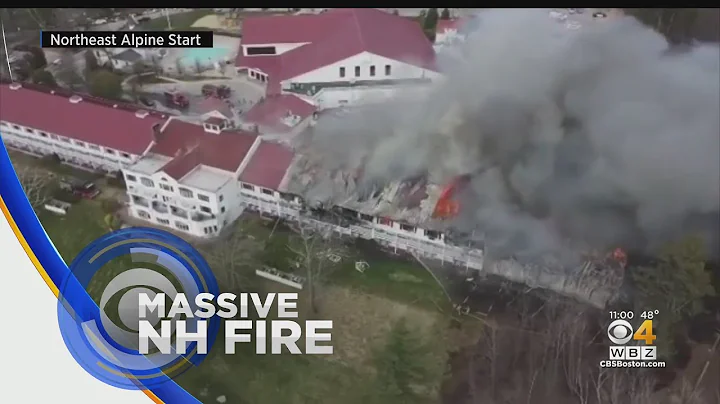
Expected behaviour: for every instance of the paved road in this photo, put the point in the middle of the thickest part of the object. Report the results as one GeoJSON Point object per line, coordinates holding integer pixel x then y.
{"type": "Point", "coordinates": [242, 89]}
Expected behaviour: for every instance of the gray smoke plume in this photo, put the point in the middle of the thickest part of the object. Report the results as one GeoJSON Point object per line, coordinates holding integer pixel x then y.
{"type": "Point", "coordinates": [599, 137]}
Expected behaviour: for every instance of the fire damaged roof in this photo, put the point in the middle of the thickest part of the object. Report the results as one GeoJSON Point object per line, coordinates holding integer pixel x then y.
{"type": "Point", "coordinates": [414, 201]}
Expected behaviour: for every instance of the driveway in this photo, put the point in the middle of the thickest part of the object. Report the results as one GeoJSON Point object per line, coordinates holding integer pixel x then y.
{"type": "Point", "coordinates": [243, 89]}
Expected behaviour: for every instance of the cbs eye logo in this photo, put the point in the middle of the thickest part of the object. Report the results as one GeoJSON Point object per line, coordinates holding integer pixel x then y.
{"type": "Point", "coordinates": [620, 332]}
{"type": "Point", "coordinates": [102, 336]}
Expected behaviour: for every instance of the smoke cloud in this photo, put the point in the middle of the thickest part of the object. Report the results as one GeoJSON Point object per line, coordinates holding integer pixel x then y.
{"type": "Point", "coordinates": [581, 139]}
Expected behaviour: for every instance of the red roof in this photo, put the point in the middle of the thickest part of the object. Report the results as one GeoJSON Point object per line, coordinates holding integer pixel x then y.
{"type": "Point", "coordinates": [288, 28]}
{"type": "Point", "coordinates": [213, 120]}
{"type": "Point", "coordinates": [333, 36]}
{"type": "Point", "coordinates": [190, 146]}
{"type": "Point", "coordinates": [268, 165]}
{"type": "Point", "coordinates": [90, 120]}
{"type": "Point", "coordinates": [211, 104]}
{"type": "Point", "coordinates": [271, 111]}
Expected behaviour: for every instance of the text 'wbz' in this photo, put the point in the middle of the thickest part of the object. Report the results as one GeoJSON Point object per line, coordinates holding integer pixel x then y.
{"type": "Point", "coordinates": [283, 332]}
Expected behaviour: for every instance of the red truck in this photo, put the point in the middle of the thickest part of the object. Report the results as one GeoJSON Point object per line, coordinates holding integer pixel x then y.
{"type": "Point", "coordinates": [83, 189]}
{"type": "Point", "coordinates": [222, 91]}
{"type": "Point", "coordinates": [176, 99]}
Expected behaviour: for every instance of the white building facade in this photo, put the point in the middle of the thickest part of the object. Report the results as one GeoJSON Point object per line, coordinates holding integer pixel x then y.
{"type": "Point", "coordinates": [200, 192]}
{"type": "Point", "coordinates": [337, 59]}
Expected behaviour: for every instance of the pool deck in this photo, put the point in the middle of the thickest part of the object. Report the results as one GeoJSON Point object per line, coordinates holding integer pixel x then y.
{"type": "Point", "coordinates": [232, 45]}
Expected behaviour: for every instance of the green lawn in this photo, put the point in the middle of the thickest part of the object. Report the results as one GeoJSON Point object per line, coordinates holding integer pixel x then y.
{"type": "Point", "coordinates": [249, 378]}
{"type": "Point", "coordinates": [179, 22]}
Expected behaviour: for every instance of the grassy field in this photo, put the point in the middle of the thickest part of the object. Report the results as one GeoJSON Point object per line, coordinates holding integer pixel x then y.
{"type": "Point", "coordinates": [179, 22]}
{"type": "Point", "coordinates": [363, 307]}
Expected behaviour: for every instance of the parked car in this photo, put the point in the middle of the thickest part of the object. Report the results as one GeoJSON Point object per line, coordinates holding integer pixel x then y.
{"type": "Point", "coordinates": [176, 100]}
{"type": "Point", "coordinates": [77, 187]}
{"type": "Point", "coordinates": [222, 91]}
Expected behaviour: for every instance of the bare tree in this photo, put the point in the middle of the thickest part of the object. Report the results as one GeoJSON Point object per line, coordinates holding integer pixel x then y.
{"type": "Point", "coordinates": [687, 394]}
{"type": "Point", "coordinates": [156, 62]}
{"type": "Point", "coordinates": [67, 71]}
{"type": "Point", "coordinates": [35, 184]}
{"type": "Point", "coordinates": [234, 258]}
{"type": "Point", "coordinates": [179, 67]}
{"type": "Point", "coordinates": [318, 254]}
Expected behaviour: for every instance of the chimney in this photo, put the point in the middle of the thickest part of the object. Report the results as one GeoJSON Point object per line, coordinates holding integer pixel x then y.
{"type": "Point", "coordinates": [75, 99]}
{"type": "Point", "coordinates": [157, 134]}
{"type": "Point", "coordinates": [141, 113]}
{"type": "Point", "coordinates": [15, 86]}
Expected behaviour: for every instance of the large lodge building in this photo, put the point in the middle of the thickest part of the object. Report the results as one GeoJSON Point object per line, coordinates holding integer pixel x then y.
{"type": "Point", "coordinates": [199, 174]}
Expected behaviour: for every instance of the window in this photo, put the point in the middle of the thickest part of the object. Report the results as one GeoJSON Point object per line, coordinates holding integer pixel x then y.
{"type": "Point", "coordinates": [93, 147]}
{"type": "Point", "coordinates": [267, 191]}
{"type": "Point", "coordinates": [143, 214]}
{"type": "Point", "coordinates": [205, 209]}
{"type": "Point", "coordinates": [28, 130]}
{"type": "Point", "coordinates": [222, 209]}
{"type": "Point", "coordinates": [342, 72]}
{"type": "Point", "coordinates": [204, 198]}
{"type": "Point", "coordinates": [163, 221]}
{"type": "Point", "coordinates": [165, 198]}
{"type": "Point", "coordinates": [16, 127]}
{"type": "Point", "coordinates": [43, 134]}
{"type": "Point", "coordinates": [79, 143]}
{"type": "Point", "coordinates": [64, 139]}
{"type": "Point", "coordinates": [384, 221]}
{"type": "Point", "coordinates": [53, 137]}
{"type": "Point", "coordinates": [130, 178]}
{"type": "Point", "coordinates": [432, 234]}
{"type": "Point", "coordinates": [109, 151]}
{"type": "Point", "coordinates": [125, 155]}
{"type": "Point", "coordinates": [372, 71]}
{"type": "Point", "coordinates": [215, 228]}
{"type": "Point", "coordinates": [260, 50]}
{"type": "Point", "coordinates": [185, 192]}
{"type": "Point", "coordinates": [366, 217]}
{"type": "Point", "coordinates": [182, 226]}
{"type": "Point", "coordinates": [357, 71]}
{"type": "Point", "coordinates": [388, 70]}
{"type": "Point", "coordinates": [408, 228]}
{"type": "Point", "coordinates": [248, 186]}
{"type": "Point", "coordinates": [166, 187]}
{"type": "Point", "coordinates": [3, 124]}
{"type": "Point", "coordinates": [147, 182]}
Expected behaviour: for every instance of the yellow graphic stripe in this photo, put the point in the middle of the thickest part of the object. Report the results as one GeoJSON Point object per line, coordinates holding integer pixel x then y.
{"type": "Point", "coordinates": [43, 273]}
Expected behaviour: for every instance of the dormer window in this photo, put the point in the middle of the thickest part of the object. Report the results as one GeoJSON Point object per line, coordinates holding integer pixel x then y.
{"type": "Point", "coordinates": [214, 125]}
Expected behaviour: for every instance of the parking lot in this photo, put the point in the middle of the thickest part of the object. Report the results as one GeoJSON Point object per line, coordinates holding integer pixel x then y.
{"type": "Point", "coordinates": [244, 92]}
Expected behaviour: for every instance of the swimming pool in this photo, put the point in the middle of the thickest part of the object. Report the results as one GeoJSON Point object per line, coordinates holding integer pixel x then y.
{"type": "Point", "coordinates": [204, 55]}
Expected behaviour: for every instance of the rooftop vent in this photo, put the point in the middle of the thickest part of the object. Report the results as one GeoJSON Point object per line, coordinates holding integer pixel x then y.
{"type": "Point", "coordinates": [75, 99]}
{"type": "Point", "coordinates": [141, 113]}
{"type": "Point", "coordinates": [15, 86]}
